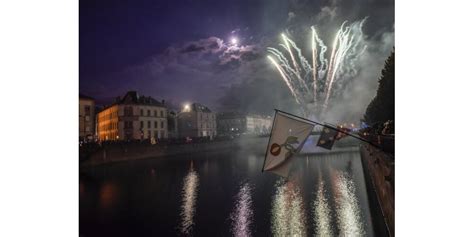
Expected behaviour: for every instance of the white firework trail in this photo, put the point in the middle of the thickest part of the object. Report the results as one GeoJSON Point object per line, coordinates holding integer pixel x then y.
{"type": "Point", "coordinates": [314, 50]}
{"type": "Point", "coordinates": [285, 79]}
{"type": "Point", "coordinates": [314, 83]}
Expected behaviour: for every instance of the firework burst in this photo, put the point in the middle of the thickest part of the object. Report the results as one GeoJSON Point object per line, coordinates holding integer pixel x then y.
{"type": "Point", "coordinates": [314, 84]}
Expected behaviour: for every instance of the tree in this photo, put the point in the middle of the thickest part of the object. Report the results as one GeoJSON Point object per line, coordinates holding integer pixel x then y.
{"type": "Point", "coordinates": [382, 107]}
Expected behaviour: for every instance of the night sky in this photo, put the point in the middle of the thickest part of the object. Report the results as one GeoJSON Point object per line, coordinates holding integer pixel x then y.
{"type": "Point", "coordinates": [181, 50]}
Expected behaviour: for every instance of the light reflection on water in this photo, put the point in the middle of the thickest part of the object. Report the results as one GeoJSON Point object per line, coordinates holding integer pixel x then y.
{"type": "Point", "coordinates": [322, 211]}
{"type": "Point", "coordinates": [288, 213]}
{"type": "Point", "coordinates": [349, 218]}
{"type": "Point", "coordinates": [189, 195]}
{"type": "Point", "coordinates": [243, 213]}
{"type": "Point", "coordinates": [327, 199]}
{"type": "Point", "coordinates": [108, 195]}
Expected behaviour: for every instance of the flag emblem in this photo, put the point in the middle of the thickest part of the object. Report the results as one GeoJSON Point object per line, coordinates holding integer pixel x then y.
{"type": "Point", "coordinates": [287, 138]}
{"type": "Point", "coordinates": [275, 149]}
{"type": "Point", "coordinates": [327, 138]}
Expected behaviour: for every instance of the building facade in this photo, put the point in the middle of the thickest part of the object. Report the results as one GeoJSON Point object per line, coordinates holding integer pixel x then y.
{"type": "Point", "coordinates": [231, 123]}
{"type": "Point", "coordinates": [172, 125]}
{"type": "Point", "coordinates": [197, 120]}
{"type": "Point", "coordinates": [86, 117]}
{"type": "Point", "coordinates": [133, 117]}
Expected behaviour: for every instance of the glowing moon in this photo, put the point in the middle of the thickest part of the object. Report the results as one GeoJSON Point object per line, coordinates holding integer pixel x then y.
{"type": "Point", "coordinates": [234, 40]}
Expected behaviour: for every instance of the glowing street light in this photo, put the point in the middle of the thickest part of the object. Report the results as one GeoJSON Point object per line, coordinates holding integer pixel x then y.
{"type": "Point", "coordinates": [187, 108]}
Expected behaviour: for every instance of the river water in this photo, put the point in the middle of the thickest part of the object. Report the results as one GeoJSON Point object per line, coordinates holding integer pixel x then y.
{"type": "Point", "coordinates": [226, 194]}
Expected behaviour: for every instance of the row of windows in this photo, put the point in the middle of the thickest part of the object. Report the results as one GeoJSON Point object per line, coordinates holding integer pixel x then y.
{"type": "Point", "coordinates": [128, 111]}
{"type": "Point", "coordinates": [109, 126]}
{"type": "Point", "coordinates": [155, 113]}
{"type": "Point", "coordinates": [85, 118]}
{"type": "Point", "coordinates": [103, 116]}
{"type": "Point", "coordinates": [162, 124]}
{"type": "Point", "coordinates": [129, 124]}
{"type": "Point", "coordinates": [210, 116]}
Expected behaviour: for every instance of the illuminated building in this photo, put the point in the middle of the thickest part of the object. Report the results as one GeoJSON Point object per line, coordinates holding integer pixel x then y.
{"type": "Point", "coordinates": [86, 116]}
{"type": "Point", "coordinates": [230, 123]}
{"type": "Point", "coordinates": [197, 120]}
{"type": "Point", "coordinates": [133, 117]}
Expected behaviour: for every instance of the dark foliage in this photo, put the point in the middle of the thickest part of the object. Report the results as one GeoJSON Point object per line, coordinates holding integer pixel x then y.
{"type": "Point", "coordinates": [382, 107]}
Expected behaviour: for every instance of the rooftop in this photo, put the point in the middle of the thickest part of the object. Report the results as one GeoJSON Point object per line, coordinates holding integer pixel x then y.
{"type": "Point", "coordinates": [132, 98]}
{"type": "Point", "coordinates": [85, 97]}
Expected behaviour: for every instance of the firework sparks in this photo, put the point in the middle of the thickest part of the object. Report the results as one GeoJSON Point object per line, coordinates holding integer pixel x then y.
{"type": "Point", "coordinates": [321, 77]}
{"type": "Point", "coordinates": [283, 75]}
{"type": "Point", "coordinates": [314, 50]}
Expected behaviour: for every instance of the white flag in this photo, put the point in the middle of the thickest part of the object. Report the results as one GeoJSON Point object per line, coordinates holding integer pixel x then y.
{"type": "Point", "coordinates": [287, 138]}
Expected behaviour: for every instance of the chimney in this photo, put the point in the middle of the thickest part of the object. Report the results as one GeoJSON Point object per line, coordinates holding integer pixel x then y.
{"type": "Point", "coordinates": [163, 102]}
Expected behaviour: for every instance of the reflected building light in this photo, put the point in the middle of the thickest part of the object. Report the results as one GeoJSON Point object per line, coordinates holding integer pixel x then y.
{"type": "Point", "coordinates": [288, 213]}
{"type": "Point", "coordinates": [243, 214]}
{"type": "Point", "coordinates": [322, 212]}
{"type": "Point", "coordinates": [188, 206]}
{"type": "Point", "coordinates": [347, 207]}
{"type": "Point", "coordinates": [108, 195]}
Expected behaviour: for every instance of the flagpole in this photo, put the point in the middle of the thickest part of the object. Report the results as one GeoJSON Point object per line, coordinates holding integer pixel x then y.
{"type": "Point", "coordinates": [266, 152]}
{"type": "Point", "coordinates": [283, 112]}
{"type": "Point", "coordinates": [356, 137]}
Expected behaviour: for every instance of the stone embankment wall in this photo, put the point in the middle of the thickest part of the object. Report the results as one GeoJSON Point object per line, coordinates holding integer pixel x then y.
{"type": "Point", "coordinates": [379, 168]}
{"type": "Point", "coordinates": [124, 152]}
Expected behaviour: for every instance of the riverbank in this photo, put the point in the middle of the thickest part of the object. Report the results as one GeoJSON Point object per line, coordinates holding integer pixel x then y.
{"type": "Point", "coordinates": [379, 172]}
{"type": "Point", "coordinates": [127, 152]}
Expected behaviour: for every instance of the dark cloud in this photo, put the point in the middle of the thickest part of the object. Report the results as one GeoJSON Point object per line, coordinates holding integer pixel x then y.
{"type": "Point", "coordinates": [191, 71]}
{"type": "Point", "coordinates": [192, 48]}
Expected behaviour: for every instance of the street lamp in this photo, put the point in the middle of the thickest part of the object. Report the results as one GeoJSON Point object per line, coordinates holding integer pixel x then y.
{"type": "Point", "coordinates": [187, 108]}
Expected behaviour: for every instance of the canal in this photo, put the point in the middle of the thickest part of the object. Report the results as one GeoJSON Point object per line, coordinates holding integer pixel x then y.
{"type": "Point", "coordinates": [224, 193]}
